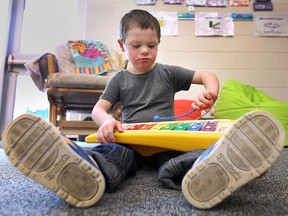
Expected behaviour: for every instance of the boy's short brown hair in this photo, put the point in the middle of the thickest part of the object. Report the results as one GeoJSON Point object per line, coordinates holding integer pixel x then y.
{"type": "Point", "coordinates": [138, 18]}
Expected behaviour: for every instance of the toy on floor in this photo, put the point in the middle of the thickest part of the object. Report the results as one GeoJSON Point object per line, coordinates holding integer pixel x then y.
{"type": "Point", "coordinates": [152, 137]}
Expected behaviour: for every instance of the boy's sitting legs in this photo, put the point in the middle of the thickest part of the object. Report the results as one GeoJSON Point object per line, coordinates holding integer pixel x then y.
{"type": "Point", "coordinates": [39, 151]}
{"type": "Point", "coordinates": [245, 152]}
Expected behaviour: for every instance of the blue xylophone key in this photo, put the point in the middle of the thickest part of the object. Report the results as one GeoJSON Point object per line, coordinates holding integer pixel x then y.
{"type": "Point", "coordinates": [196, 126]}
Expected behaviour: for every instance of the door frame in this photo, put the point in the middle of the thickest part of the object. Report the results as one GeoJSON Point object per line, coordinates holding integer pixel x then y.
{"type": "Point", "coordinates": [8, 80]}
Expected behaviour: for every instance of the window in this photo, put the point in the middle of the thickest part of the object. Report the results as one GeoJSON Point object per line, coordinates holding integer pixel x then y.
{"type": "Point", "coordinates": [46, 24]}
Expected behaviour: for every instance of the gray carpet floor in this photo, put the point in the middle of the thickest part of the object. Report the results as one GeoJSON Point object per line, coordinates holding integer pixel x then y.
{"type": "Point", "coordinates": [142, 194]}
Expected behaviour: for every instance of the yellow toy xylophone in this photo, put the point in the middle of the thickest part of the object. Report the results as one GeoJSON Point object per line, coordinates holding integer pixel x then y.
{"type": "Point", "coordinates": [151, 137]}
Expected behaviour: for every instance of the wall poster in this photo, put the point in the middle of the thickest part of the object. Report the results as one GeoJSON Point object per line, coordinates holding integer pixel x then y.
{"type": "Point", "coordinates": [214, 24]}
{"type": "Point", "coordinates": [271, 25]}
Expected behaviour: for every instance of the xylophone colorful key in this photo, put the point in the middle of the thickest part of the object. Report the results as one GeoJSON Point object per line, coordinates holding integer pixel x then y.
{"type": "Point", "coordinates": [150, 138]}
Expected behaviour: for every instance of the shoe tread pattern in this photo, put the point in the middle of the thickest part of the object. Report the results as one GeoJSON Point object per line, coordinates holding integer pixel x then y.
{"type": "Point", "coordinates": [247, 150]}
{"type": "Point", "coordinates": [37, 149]}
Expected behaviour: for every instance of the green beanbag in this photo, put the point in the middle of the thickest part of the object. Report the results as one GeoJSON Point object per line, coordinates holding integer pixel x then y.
{"type": "Point", "coordinates": [236, 99]}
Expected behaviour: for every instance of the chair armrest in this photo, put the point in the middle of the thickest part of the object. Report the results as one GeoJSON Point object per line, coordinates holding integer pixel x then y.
{"type": "Point", "coordinates": [48, 64]}
{"type": "Point", "coordinates": [51, 64]}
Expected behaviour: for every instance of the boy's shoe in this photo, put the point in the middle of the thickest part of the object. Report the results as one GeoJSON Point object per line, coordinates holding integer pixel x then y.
{"type": "Point", "coordinates": [246, 151]}
{"type": "Point", "coordinates": [39, 151]}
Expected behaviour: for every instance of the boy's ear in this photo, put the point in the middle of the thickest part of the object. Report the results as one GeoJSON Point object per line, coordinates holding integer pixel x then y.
{"type": "Point", "coordinates": [121, 44]}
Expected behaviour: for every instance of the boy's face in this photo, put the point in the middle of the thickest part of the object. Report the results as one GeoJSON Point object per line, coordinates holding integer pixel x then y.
{"type": "Point", "coordinates": [140, 47]}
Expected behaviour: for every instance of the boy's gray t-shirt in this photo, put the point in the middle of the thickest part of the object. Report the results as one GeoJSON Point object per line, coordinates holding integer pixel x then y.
{"type": "Point", "coordinates": [146, 95]}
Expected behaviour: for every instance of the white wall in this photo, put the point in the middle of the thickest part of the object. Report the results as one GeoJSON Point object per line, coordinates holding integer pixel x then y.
{"type": "Point", "coordinates": [258, 61]}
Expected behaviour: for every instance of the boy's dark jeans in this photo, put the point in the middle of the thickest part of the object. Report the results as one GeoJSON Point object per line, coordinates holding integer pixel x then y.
{"type": "Point", "coordinates": [117, 161]}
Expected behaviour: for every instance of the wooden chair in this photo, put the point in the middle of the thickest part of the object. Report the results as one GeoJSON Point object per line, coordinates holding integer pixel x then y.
{"type": "Point", "coordinates": [63, 100]}
{"type": "Point", "coordinates": [75, 93]}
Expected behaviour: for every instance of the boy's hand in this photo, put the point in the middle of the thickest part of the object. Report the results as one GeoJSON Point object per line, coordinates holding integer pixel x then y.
{"type": "Point", "coordinates": [105, 133]}
{"type": "Point", "coordinates": [205, 101]}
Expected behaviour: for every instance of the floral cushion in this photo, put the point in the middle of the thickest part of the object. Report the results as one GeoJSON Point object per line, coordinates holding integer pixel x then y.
{"type": "Point", "coordinates": [91, 57]}
{"type": "Point", "coordinates": [66, 63]}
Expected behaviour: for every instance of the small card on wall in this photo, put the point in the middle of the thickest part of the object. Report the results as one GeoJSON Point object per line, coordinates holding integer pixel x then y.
{"type": "Point", "coordinates": [145, 2]}
{"type": "Point", "coordinates": [216, 3]}
{"type": "Point", "coordinates": [173, 1]}
{"type": "Point", "coordinates": [214, 24]}
{"type": "Point", "coordinates": [239, 2]}
{"type": "Point", "coordinates": [271, 25]}
{"type": "Point", "coordinates": [168, 22]}
{"type": "Point", "coordinates": [196, 3]}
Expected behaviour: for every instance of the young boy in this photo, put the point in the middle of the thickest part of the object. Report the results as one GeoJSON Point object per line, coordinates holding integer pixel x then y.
{"type": "Point", "coordinates": [144, 89]}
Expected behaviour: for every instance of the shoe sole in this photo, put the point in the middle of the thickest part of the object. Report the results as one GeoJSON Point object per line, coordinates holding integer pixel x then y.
{"type": "Point", "coordinates": [37, 149]}
{"type": "Point", "coordinates": [245, 152]}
